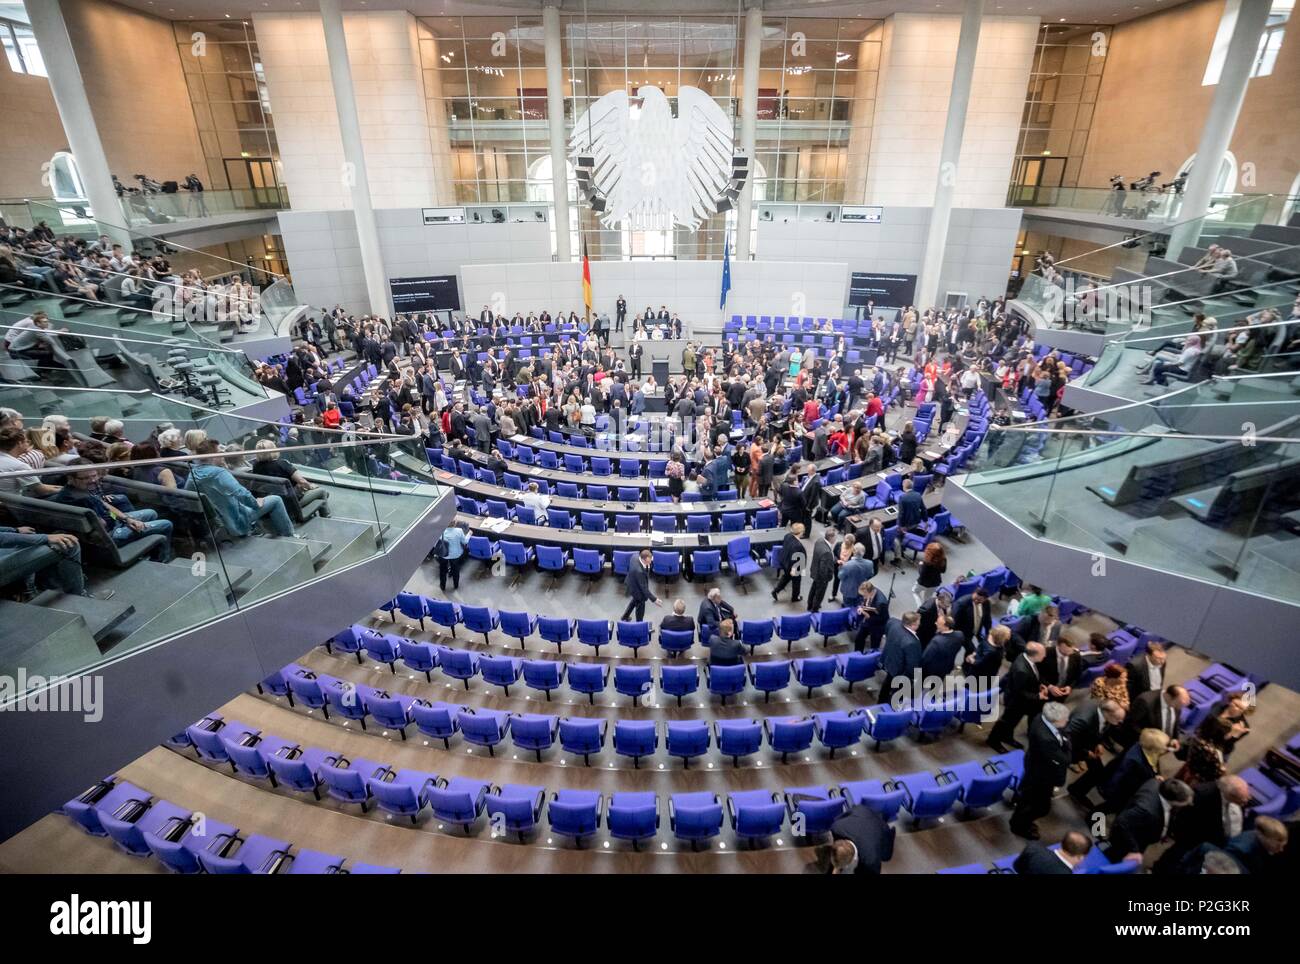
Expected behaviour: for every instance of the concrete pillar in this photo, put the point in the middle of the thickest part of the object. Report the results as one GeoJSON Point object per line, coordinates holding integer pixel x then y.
{"type": "Point", "coordinates": [78, 123]}
{"type": "Point", "coordinates": [749, 122]}
{"type": "Point", "coordinates": [927, 288]}
{"type": "Point", "coordinates": [1251, 17]}
{"type": "Point", "coordinates": [555, 120]}
{"type": "Point", "coordinates": [356, 179]}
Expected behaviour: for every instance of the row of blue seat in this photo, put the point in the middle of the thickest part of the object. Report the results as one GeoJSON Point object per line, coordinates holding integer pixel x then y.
{"type": "Point", "coordinates": [1094, 863]}
{"type": "Point", "coordinates": [597, 520]}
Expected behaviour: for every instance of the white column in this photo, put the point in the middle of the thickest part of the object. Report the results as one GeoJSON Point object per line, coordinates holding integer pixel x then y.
{"type": "Point", "coordinates": [78, 123]}
{"type": "Point", "coordinates": [1251, 17]}
{"type": "Point", "coordinates": [963, 70]}
{"type": "Point", "coordinates": [555, 121]}
{"type": "Point", "coordinates": [355, 177]}
{"type": "Point", "coordinates": [749, 123]}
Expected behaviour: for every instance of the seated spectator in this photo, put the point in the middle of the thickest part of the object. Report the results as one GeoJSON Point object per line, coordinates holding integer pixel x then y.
{"type": "Point", "coordinates": [33, 339]}
{"type": "Point", "coordinates": [269, 462]}
{"type": "Point", "coordinates": [14, 445]}
{"type": "Point", "coordinates": [124, 522]}
{"type": "Point", "coordinates": [724, 648]}
{"type": "Point", "coordinates": [677, 620]}
{"type": "Point", "coordinates": [238, 509]}
{"type": "Point", "coordinates": [53, 560]}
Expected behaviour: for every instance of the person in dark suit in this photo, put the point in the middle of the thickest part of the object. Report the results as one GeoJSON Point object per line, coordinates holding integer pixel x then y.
{"type": "Point", "coordinates": [1138, 764]}
{"type": "Point", "coordinates": [791, 500]}
{"type": "Point", "coordinates": [911, 514]}
{"type": "Point", "coordinates": [1047, 761]}
{"type": "Point", "coordinates": [713, 611]}
{"type": "Point", "coordinates": [634, 354]}
{"type": "Point", "coordinates": [874, 612]}
{"type": "Point", "coordinates": [822, 569]}
{"type": "Point", "coordinates": [1146, 819]}
{"type": "Point", "coordinates": [872, 539]}
{"type": "Point", "coordinates": [811, 494]}
{"type": "Point", "coordinates": [620, 313]}
{"type": "Point", "coordinates": [638, 588]}
{"type": "Point", "coordinates": [985, 663]}
{"type": "Point", "coordinates": [793, 559]}
{"type": "Point", "coordinates": [724, 648]}
{"type": "Point", "coordinates": [1157, 711]}
{"type": "Point", "coordinates": [1258, 850]}
{"type": "Point", "coordinates": [940, 653]}
{"type": "Point", "coordinates": [1023, 694]}
{"type": "Point", "coordinates": [1061, 669]}
{"type": "Point", "coordinates": [900, 657]}
{"type": "Point", "coordinates": [861, 840]}
{"type": "Point", "coordinates": [677, 620]}
{"type": "Point", "coordinates": [939, 602]}
{"type": "Point", "coordinates": [1146, 671]}
{"type": "Point", "coordinates": [1038, 859]}
{"type": "Point", "coordinates": [972, 615]}
{"type": "Point", "coordinates": [1089, 724]}
{"type": "Point", "coordinates": [1216, 815]}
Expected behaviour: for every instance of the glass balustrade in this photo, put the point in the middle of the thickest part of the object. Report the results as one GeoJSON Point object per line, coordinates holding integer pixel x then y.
{"type": "Point", "coordinates": [1226, 210]}
{"type": "Point", "coordinates": [167, 541]}
{"type": "Point", "coordinates": [1224, 508]}
{"type": "Point", "coordinates": [140, 210]}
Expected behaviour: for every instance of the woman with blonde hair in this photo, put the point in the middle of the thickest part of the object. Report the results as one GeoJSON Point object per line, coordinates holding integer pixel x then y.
{"type": "Point", "coordinates": [1140, 763]}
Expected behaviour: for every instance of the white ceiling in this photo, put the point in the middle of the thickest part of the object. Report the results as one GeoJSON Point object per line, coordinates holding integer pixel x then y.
{"type": "Point", "coordinates": [1070, 11]}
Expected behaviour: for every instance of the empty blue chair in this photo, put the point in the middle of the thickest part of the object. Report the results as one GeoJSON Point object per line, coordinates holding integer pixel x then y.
{"type": "Point", "coordinates": [666, 563]}
{"type": "Point", "coordinates": [635, 738]}
{"type": "Point", "coordinates": [832, 622]}
{"type": "Point", "coordinates": [981, 787]}
{"type": "Point", "coordinates": [627, 523]}
{"type": "Point", "coordinates": [594, 633]}
{"type": "Point", "coordinates": [884, 723]}
{"type": "Point", "coordinates": [350, 640]}
{"type": "Point", "coordinates": [788, 734]}
{"type": "Point", "coordinates": [89, 808]}
{"type": "Point", "coordinates": [575, 813]}
{"type": "Point", "coordinates": [629, 493]}
{"type": "Point", "coordinates": [792, 628]}
{"type": "Point", "coordinates": [766, 519]}
{"type": "Point", "coordinates": [459, 800]}
{"type": "Point", "coordinates": [481, 547]}
{"type": "Point", "coordinates": [600, 465]}
{"type": "Point", "coordinates": [739, 558]}
{"type": "Point", "coordinates": [519, 625]}
{"type": "Point", "coordinates": [839, 728]}
{"type": "Point", "coordinates": [926, 797]}
{"type": "Point", "coordinates": [695, 816]}
{"type": "Point", "coordinates": [573, 463]}
{"type": "Point", "coordinates": [593, 521]}
{"type": "Point", "coordinates": [458, 664]}
{"type": "Point", "coordinates": [516, 554]}
{"type": "Point", "coordinates": [589, 678]}
{"type": "Point", "coordinates": [589, 562]}
{"type": "Point", "coordinates": [699, 522]}
{"type": "Point", "coordinates": [737, 738]}
{"type": "Point", "coordinates": [813, 809]}
{"type": "Point", "coordinates": [597, 493]}
{"type": "Point", "coordinates": [478, 619]}
{"type": "Point", "coordinates": [346, 699]}
{"type": "Point", "coordinates": [403, 793]}
{"type": "Point", "coordinates": [932, 719]}
{"type": "Point", "coordinates": [255, 854]}
{"type": "Point", "coordinates": [438, 720]}
{"type": "Point", "coordinates": [633, 816]}
{"type": "Point", "coordinates": [544, 675]}
{"type": "Point", "coordinates": [706, 562]}
{"type": "Point", "coordinates": [500, 671]}
{"type": "Point", "coordinates": [755, 632]}
{"type": "Point", "coordinates": [770, 677]}
{"type": "Point", "coordinates": [853, 668]}
{"type": "Point", "coordinates": [497, 509]}
{"type": "Point", "coordinates": [443, 613]}
{"type": "Point", "coordinates": [622, 560]}
{"type": "Point", "coordinates": [884, 797]}
{"type": "Point", "coordinates": [633, 681]}
{"type": "Point", "coordinates": [485, 728]}
{"type": "Point", "coordinates": [534, 731]}
{"type": "Point", "coordinates": [583, 735]}
{"type": "Point", "coordinates": [756, 814]}
{"type": "Point", "coordinates": [412, 606]}
{"type": "Point", "coordinates": [733, 522]}
{"type": "Point", "coordinates": [347, 780]}
{"type": "Point", "coordinates": [687, 739]}
{"type": "Point", "coordinates": [814, 672]}
{"type": "Point", "coordinates": [679, 681]}
{"type": "Point", "coordinates": [392, 712]}
{"type": "Point", "coordinates": [633, 635]}
{"type": "Point", "coordinates": [725, 681]}
{"type": "Point", "coordinates": [676, 641]}
{"type": "Point", "coordinates": [555, 629]}
{"type": "Point", "coordinates": [382, 648]}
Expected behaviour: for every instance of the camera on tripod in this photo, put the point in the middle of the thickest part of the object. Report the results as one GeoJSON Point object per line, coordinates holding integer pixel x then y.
{"type": "Point", "coordinates": [1117, 182]}
{"type": "Point", "coordinates": [1145, 183]}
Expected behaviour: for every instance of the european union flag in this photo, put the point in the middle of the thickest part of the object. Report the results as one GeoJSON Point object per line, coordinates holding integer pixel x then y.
{"type": "Point", "coordinates": [726, 269]}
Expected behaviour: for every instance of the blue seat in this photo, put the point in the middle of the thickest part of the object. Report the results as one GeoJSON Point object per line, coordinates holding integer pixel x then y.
{"type": "Point", "coordinates": [544, 675]}
{"type": "Point", "coordinates": [594, 633]}
{"type": "Point", "coordinates": [927, 798]}
{"type": "Point", "coordinates": [788, 734]}
{"type": "Point", "coordinates": [412, 606]}
{"type": "Point", "coordinates": [589, 678]}
{"type": "Point", "coordinates": [403, 793]}
{"type": "Point", "coordinates": [739, 558]}
{"type": "Point", "coordinates": [526, 515]}
{"type": "Point", "coordinates": [517, 807]}
{"type": "Point", "coordinates": [622, 560]}
{"type": "Point", "coordinates": [813, 809]}
{"type": "Point", "coordinates": [478, 619]}
{"type": "Point", "coordinates": [574, 463]}
{"type": "Point", "coordinates": [588, 562]}
{"type": "Point", "coordinates": [552, 559]}
{"type": "Point", "coordinates": [600, 465]}
{"type": "Point", "coordinates": [853, 668]}
{"type": "Point", "coordinates": [770, 677]}
{"type": "Point", "coordinates": [534, 731]}
{"type": "Point", "coordinates": [592, 521]}
{"type": "Point", "coordinates": [391, 712]}
{"type": "Point", "coordinates": [832, 622]}
{"type": "Point", "coordinates": [446, 614]}
{"type": "Point", "coordinates": [981, 787]}
{"type": "Point", "coordinates": [755, 632]}
{"type": "Point", "coordinates": [503, 671]}
{"type": "Point", "coordinates": [633, 681]}
{"type": "Point", "coordinates": [583, 735]}
{"type": "Point", "coordinates": [516, 553]}
{"type": "Point", "coordinates": [483, 548]}
{"type": "Point", "coordinates": [459, 800]}
{"type": "Point", "coordinates": [687, 739]}
{"type": "Point", "coordinates": [347, 780]}
{"type": "Point", "coordinates": [485, 728]}
{"type": "Point", "coordinates": [884, 723]}
{"type": "Point", "coordinates": [559, 519]}
{"type": "Point", "coordinates": [438, 720]}
{"type": "Point", "coordinates": [706, 562]}
{"type": "Point", "coordinates": [756, 814]}
{"type": "Point", "coordinates": [635, 738]}
{"type": "Point", "coordinates": [255, 854]}
{"type": "Point", "coordinates": [597, 493]}
{"type": "Point", "coordinates": [519, 625]}
{"type": "Point", "coordinates": [679, 681]}
{"type": "Point", "coordinates": [627, 523]}
{"type": "Point", "coordinates": [695, 816]}
{"type": "Point", "coordinates": [725, 681]}
{"type": "Point", "coordinates": [839, 728]}
{"type": "Point", "coordinates": [575, 813]}
{"type": "Point", "coordinates": [699, 522]}
{"type": "Point", "coordinates": [814, 671]}
{"type": "Point", "coordinates": [633, 816]}
{"type": "Point", "coordinates": [793, 628]}
{"type": "Point", "coordinates": [884, 797]}
{"type": "Point", "coordinates": [733, 522]}
{"type": "Point", "coordinates": [629, 493]}
{"type": "Point", "coordinates": [555, 629]}
{"type": "Point", "coordinates": [382, 648]}
{"type": "Point", "coordinates": [676, 641]}
{"type": "Point", "coordinates": [633, 635]}
{"type": "Point", "coordinates": [458, 663]}
{"type": "Point", "coordinates": [737, 738]}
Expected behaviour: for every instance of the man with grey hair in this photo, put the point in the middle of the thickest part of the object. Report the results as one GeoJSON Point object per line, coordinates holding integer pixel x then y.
{"type": "Point", "coordinates": [10, 418]}
{"type": "Point", "coordinates": [1047, 761]}
{"type": "Point", "coordinates": [301, 492]}
{"type": "Point", "coordinates": [1219, 862]}
{"type": "Point", "coordinates": [1217, 814]}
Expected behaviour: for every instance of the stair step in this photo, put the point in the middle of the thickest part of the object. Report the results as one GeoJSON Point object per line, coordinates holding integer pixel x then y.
{"type": "Point", "coordinates": [44, 642]}
{"type": "Point", "coordinates": [101, 616]}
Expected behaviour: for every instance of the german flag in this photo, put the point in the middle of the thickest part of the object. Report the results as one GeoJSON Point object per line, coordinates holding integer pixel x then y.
{"type": "Point", "coordinates": [586, 281]}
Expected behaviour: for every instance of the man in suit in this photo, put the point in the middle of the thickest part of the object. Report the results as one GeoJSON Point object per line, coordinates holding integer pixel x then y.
{"type": "Point", "coordinates": [1061, 669]}
{"type": "Point", "coordinates": [1089, 725]}
{"type": "Point", "coordinates": [861, 840]}
{"type": "Point", "coordinates": [1146, 671]}
{"type": "Point", "coordinates": [872, 539]}
{"type": "Point", "coordinates": [811, 493]}
{"type": "Point", "coordinates": [853, 574]}
{"type": "Point", "coordinates": [713, 611]}
{"type": "Point", "coordinates": [972, 615]}
{"type": "Point", "coordinates": [1216, 815]}
{"type": "Point", "coordinates": [677, 620]}
{"type": "Point", "coordinates": [724, 648]}
{"type": "Point", "coordinates": [1157, 711]}
{"type": "Point", "coordinates": [940, 602]}
{"type": "Point", "coordinates": [911, 513]}
{"type": "Point", "coordinates": [900, 658]}
{"type": "Point", "coordinates": [634, 354]}
{"type": "Point", "coordinates": [940, 654]}
{"type": "Point", "coordinates": [1038, 859]}
{"type": "Point", "coordinates": [1146, 819]}
{"type": "Point", "coordinates": [874, 613]}
{"type": "Point", "coordinates": [822, 569]}
{"type": "Point", "coordinates": [1047, 761]}
{"type": "Point", "coordinates": [482, 431]}
{"type": "Point", "coordinates": [985, 663]}
{"type": "Point", "coordinates": [1258, 849]}
{"type": "Point", "coordinates": [791, 500]}
{"type": "Point", "coordinates": [638, 586]}
{"type": "Point", "coordinates": [1023, 694]}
